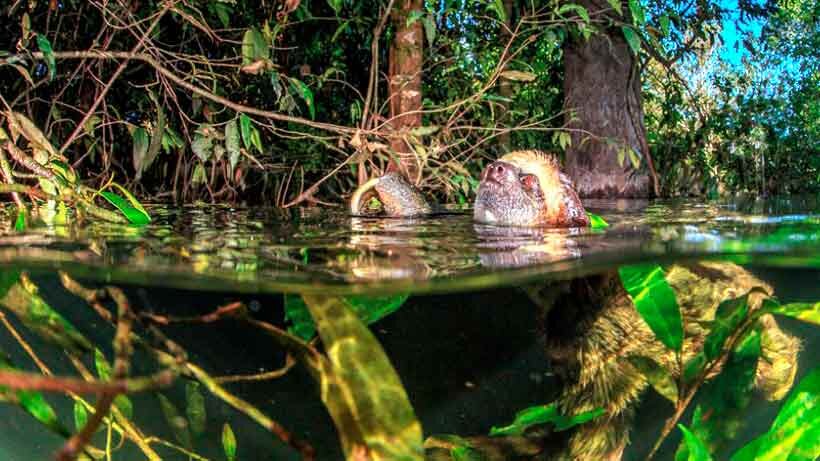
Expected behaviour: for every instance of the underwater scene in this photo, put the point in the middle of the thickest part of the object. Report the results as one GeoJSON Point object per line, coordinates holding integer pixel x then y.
{"type": "Point", "coordinates": [669, 330]}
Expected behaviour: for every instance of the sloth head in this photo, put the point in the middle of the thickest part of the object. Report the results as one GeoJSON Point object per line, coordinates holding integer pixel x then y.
{"type": "Point", "coordinates": [527, 188]}
{"type": "Point", "coordinates": [524, 188]}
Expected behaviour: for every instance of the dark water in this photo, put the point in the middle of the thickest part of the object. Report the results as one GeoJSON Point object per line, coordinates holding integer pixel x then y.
{"type": "Point", "coordinates": [467, 344]}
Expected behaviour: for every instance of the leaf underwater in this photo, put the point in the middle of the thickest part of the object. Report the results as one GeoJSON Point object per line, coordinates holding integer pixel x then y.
{"type": "Point", "coordinates": [655, 301]}
{"type": "Point", "coordinates": [360, 388]}
{"type": "Point", "coordinates": [795, 433]}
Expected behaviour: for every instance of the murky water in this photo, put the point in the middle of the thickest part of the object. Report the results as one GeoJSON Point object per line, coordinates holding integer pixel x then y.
{"type": "Point", "coordinates": [468, 344]}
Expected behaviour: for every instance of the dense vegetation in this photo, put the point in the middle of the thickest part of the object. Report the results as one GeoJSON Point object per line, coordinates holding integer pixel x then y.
{"type": "Point", "coordinates": [298, 101]}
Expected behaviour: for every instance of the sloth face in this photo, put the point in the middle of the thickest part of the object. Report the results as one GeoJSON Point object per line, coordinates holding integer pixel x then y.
{"type": "Point", "coordinates": [507, 196]}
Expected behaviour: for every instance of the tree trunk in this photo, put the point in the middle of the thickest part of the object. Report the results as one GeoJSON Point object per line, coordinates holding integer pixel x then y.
{"type": "Point", "coordinates": [504, 85]}
{"type": "Point", "coordinates": [404, 87]}
{"type": "Point", "coordinates": [602, 92]}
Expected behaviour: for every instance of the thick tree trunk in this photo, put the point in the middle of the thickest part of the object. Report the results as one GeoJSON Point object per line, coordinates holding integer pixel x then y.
{"type": "Point", "coordinates": [602, 92]}
{"type": "Point", "coordinates": [404, 75]}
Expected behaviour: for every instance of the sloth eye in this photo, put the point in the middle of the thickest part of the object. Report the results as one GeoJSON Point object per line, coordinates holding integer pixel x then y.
{"type": "Point", "coordinates": [529, 181]}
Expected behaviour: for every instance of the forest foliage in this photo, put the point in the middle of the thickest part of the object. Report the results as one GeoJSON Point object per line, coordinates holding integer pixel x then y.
{"type": "Point", "coordinates": [288, 102]}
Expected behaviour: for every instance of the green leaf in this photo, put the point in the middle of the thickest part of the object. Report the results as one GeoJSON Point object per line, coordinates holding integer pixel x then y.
{"type": "Point", "coordinates": [34, 403]}
{"type": "Point", "coordinates": [544, 414]}
{"type": "Point", "coordinates": [203, 147]}
{"type": "Point", "coordinates": [795, 433]}
{"type": "Point", "coordinates": [80, 415]}
{"type": "Point", "coordinates": [638, 16]}
{"type": "Point", "coordinates": [124, 404]}
{"type": "Point", "coordinates": [360, 387]}
{"type": "Point", "coordinates": [296, 312]}
{"type": "Point", "coordinates": [134, 215]}
{"type": "Point", "coordinates": [336, 5]}
{"type": "Point", "coordinates": [132, 200]}
{"type": "Point", "coordinates": [48, 52]}
{"type": "Point", "coordinates": [140, 141]}
{"type": "Point", "coordinates": [195, 408]}
{"type": "Point", "coordinates": [228, 442]}
{"type": "Point", "coordinates": [256, 139]}
{"type": "Point", "coordinates": [722, 412]}
{"type": "Point", "coordinates": [596, 221]}
{"type": "Point", "coordinates": [304, 92]}
{"type": "Point", "coordinates": [728, 317]}
{"type": "Point", "coordinates": [102, 365]}
{"type": "Point", "coordinates": [254, 47]}
{"type": "Point", "coordinates": [806, 312]}
{"type": "Point", "coordinates": [655, 301]}
{"type": "Point", "coordinates": [245, 125]}
{"type": "Point", "coordinates": [20, 297]}
{"type": "Point", "coordinates": [616, 5]}
{"type": "Point", "coordinates": [20, 222]}
{"type": "Point", "coordinates": [232, 143]}
{"type": "Point", "coordinates": [657, 376]}
{"type": "Point", "coordinates": [497, 6]}
{"type": "Point", "coordinates": [580, 10]}
{"type": "Point", "coordinates": [664, 20]}
{"type": "Point", "coordinates": [178, 424]}
{"type": "Point", "coordinates": [697, 450]}
{"type": "Point", "coordinates": [199, 175]}
{"type": "Point", "coordinates": [374, 308]}
{"type": "Point", "coordinates": [633, 39]}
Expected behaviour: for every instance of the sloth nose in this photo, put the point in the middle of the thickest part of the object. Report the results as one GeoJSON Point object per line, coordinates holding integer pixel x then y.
{"type": "Point", "coordinates": [499, 172]}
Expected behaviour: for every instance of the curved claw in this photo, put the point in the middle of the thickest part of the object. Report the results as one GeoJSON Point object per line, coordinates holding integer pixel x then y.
{"type": "Point", "coordinates": [398, 197]}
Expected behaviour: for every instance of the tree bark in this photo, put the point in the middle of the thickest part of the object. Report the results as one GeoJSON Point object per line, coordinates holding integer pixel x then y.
{"type": "Point", "coordinates": [505, 85]}
{"type": "Point", "coordinates": [404, 86]}
{"type": "Point", "coordinates": [602, 94]}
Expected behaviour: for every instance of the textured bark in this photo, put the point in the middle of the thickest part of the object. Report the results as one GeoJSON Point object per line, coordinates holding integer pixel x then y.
{"type": "Point", "coordinates": [504, 85]}
{"type": "Point", "coordinates": [602, 91]}
{"type": "Point", "coordinates": [404, 75]}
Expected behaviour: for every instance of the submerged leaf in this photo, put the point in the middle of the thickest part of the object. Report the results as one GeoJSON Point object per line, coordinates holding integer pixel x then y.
{"type": "Point", "coordinates": [22, 299]}
{"type": "Point", "coordinates": [228, 442]}
{"type": "Point", "coordinates": [544, 414]}
{"type": "Point", "coordinates": [807, 312]}
{"type": "Point", "coordinates": [657, 376]}
{"type": "Point", "coordinates": [655, 301]}
{"type": "Point", "coordinates": [360, 388]}
{"type": "Point", "coordinates": [697, 450]}
{"type": "Point", "coordinates": [34, 403]}
{"type": "Point", "coordinates": [195, 407]}
{"type": "Point", "coordinates": [178, 424]}
{"type": "Point", "coordinates": [80, 415]}
{"type": "Point", "coordinates": [795, 433]}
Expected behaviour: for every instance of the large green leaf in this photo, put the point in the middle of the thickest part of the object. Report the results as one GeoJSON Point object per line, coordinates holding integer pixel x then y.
{"type": "Point", "coordinates": [807, 312]}
{"type": "Point", "coordinates": [543, 414]}
{"type": "Point", "coordinates": [634, 41]}
{"type": "Point", "coordinates": [795, 433]}
{"type": "Point", "coordinates": [655, 301]}
{"type": "Point", "coordinates": [596, 221]}
{"type": "Point", "coordinates": [126, 207]}
{"type": "Point", "coordinates": [254, 46]}
{"type": "Point", "coordinates": [360, 388]}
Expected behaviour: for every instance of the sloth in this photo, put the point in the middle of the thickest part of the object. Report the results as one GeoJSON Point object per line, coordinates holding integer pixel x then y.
{"type": "Point", "coordinates": [597, 330]}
